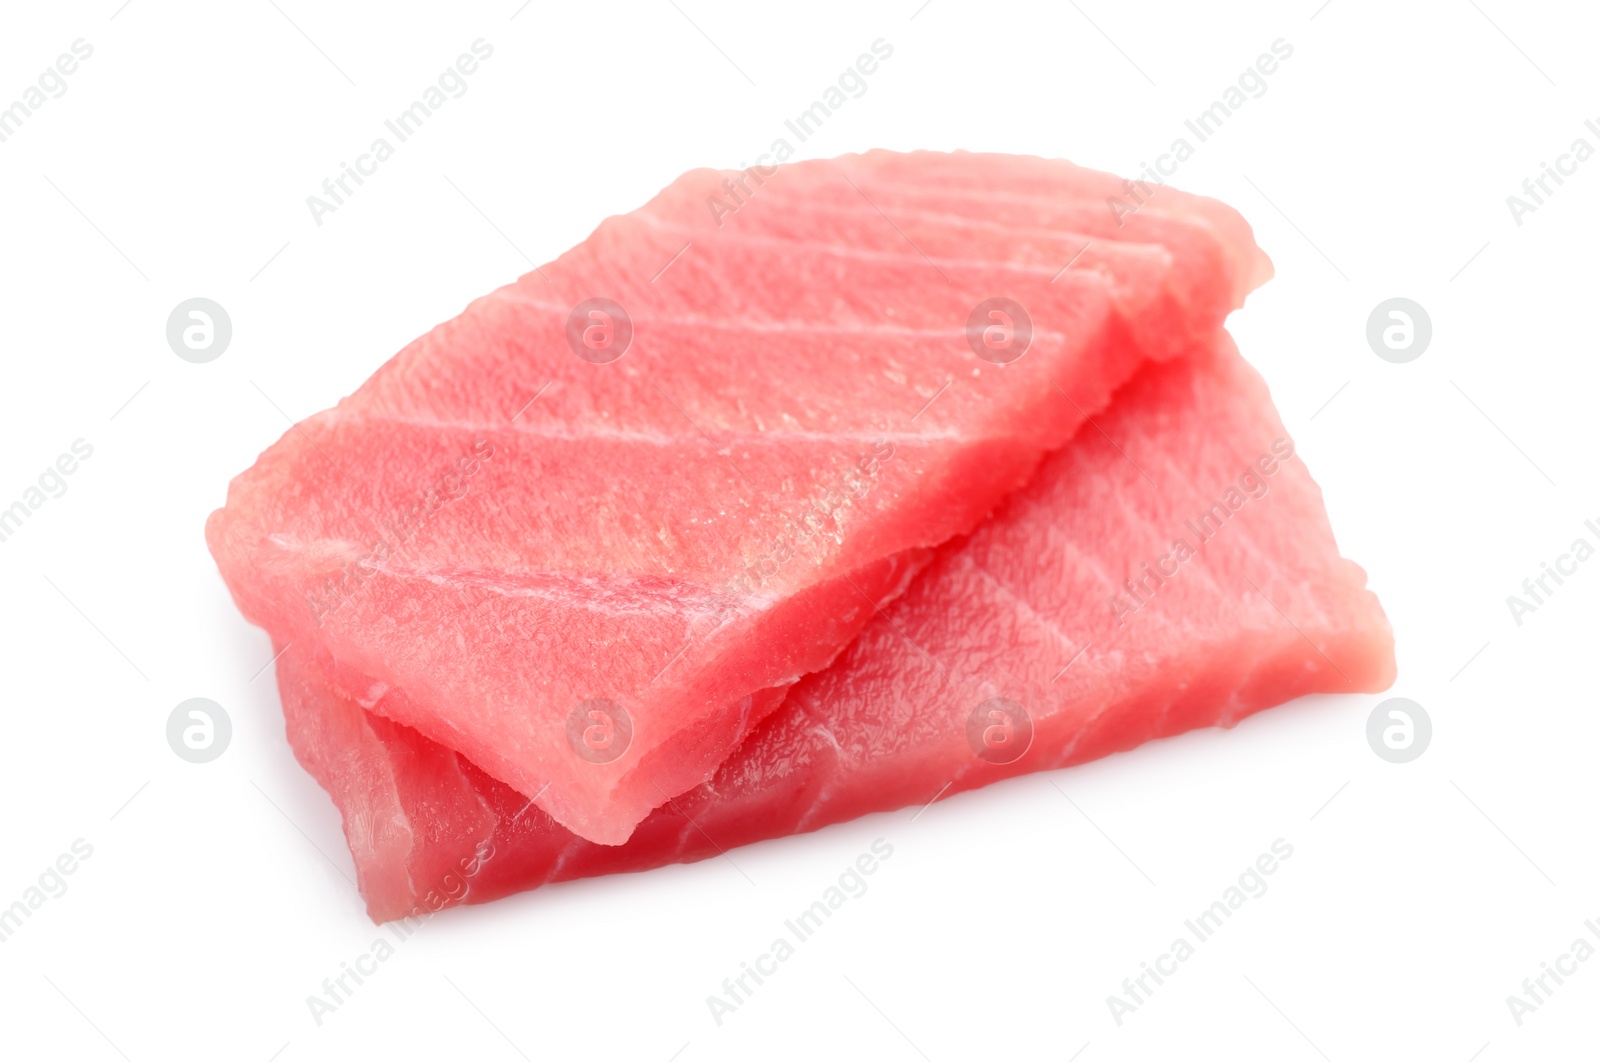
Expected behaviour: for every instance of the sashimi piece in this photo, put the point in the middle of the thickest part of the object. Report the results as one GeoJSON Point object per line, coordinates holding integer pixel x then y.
{"type": "Point", "coordinates": [589, 532]}
{"type": "Point", "coordinates": [1069, 626]}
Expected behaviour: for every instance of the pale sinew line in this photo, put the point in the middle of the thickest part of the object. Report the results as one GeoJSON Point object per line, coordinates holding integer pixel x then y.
{"type": "Point", "coordinates": [731, 462]}
{"type": "Point", "coordinates": [803, 327]}
{"type": "Point", "coordinates": [550, 586]}
{"type": "Point", "coordinates": [1074, 258]}
{"type": "Point", "coordinates": [1057, 198]}
{"type": "Point", "coordinates": [690, 820]}
{"type": "Point", "coordinates": [1296, 627]}
{"type": "Point", "coordinates": [1032, 610]}
{"type": "Point", "coordinates": [898, 229]}
{"type": "Point", "coordinates": [878, 610]}
{"type": "Point", "coordinates": [878, 254]}
{"type": "Point", "coordinates": [1048, 208]}
{"type": "Point", "coordinates": [980, 196]}
{"type": "Point", "coordinates": [1004, 234]}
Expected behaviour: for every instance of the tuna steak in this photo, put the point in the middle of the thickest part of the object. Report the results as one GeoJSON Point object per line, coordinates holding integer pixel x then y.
{"type": "Point", "coordinates": [590, 531]}
{"type": "Point", "coordinates": [1172, 568]}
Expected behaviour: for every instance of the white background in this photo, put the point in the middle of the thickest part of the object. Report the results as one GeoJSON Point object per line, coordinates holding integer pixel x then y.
{"type": "Point", "coordinates": [1377, 164]}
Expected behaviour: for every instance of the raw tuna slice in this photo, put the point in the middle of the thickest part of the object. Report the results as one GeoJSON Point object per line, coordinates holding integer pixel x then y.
{"type": "Point", "coordinates": [1173, 569]}
{"type": "Point", "coordinates": [590, 531]}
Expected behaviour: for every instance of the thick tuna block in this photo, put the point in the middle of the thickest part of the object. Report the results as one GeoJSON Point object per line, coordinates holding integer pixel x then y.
{"type": "Point", "coordinates": [591, 531]}
{"type": "Point", "coordinates": [1172, 568]}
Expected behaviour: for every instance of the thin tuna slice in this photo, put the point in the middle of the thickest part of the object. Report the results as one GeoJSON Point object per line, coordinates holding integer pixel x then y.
{"type": "Point", "coordinates": [589, 532]}
{"type": "Point", "coordinates": [1172, 568]}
